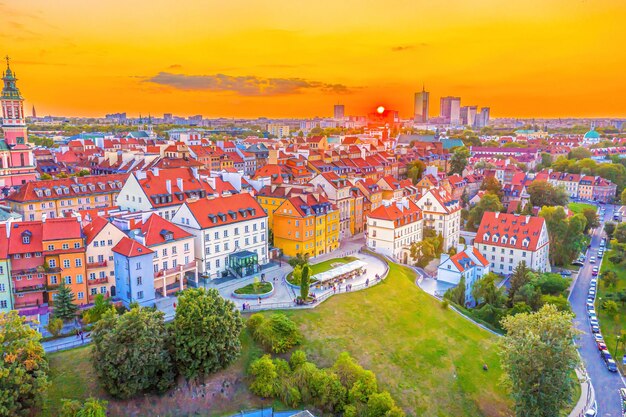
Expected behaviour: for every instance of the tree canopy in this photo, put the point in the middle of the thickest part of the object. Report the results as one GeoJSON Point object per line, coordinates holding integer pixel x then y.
{"type": "Point", "coordinates": [64, 307]}
{"type": "Point", "coordinates": [458, 160]}
{"type": "Point", "coordinates": [206, 332]}
{"type": "Point", "coordinates": [542, 193]}
{"type": "Point", "coordinates": [566, 234]}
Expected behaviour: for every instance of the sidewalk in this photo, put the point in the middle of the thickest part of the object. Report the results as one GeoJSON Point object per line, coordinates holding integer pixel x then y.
{"type": "Point", "coordinates": [587, 395]}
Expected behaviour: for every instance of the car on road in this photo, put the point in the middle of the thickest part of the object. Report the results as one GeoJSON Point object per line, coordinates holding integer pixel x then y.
{"type": "Point", "coordinates": [595, 329]}
{"type": "Point", "coordinates": [598, 337]}
{"type": "Point", "coordinates": [594, 322]}
{"type": "Point", "coordinates": [591, 413]}
{"type": "Point", "coordinates": [611, 365]}
{"type": "Point", "coordinates": [606, 355]}
{"type": "Point", "coordinates": [590, 306]}
{"type": "Point", "coordinates": [592, 313]}
{"type": "Point", "coordinates": [593, 281]}
{"type": "Point", "coordinates": [594, 272]}
{"type": "Point", "coordinates": [601, 346]}
{"type": "Point", "coordinates": [592, 260]}
{"type": "Point", "coordinates": [578, 262]}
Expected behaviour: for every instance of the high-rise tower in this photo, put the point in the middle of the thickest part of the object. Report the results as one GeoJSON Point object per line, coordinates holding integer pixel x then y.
{"type": "Point", "coordinates": [420, 114]}
{"type": "Point", "coordinates": [13, 119]}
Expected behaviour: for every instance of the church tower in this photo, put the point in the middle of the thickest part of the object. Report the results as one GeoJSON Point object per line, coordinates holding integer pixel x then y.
{"type": "Point", "coordinates": [13, 118]}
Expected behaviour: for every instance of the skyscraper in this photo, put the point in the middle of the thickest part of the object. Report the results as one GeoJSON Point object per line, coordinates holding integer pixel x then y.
{"type": "Point", "coordinates": [450, 109]}
{"type": "Point", "coordinates": [339, 112]}
{"type": "Point", "coordinates": [468, 115]}
{"type": "Point", "coordinates": [420, 113]}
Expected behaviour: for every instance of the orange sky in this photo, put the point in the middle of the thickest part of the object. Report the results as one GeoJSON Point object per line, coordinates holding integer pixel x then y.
{"type": "Point", "coordinates": [249, 58]}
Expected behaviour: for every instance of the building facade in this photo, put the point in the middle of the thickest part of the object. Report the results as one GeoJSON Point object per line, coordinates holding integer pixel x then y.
{"type": "Point", "coordinates": [134, 274]}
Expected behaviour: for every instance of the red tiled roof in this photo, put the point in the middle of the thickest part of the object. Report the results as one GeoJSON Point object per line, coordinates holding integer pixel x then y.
{"type": "Point", "coordinates": [28, 191]}
{"type": "Point", "coordinates": [16, 244]}
{"type": "Point", "coordinates": [154, 227]}
{"type": "Point", "coordinates": [207, 211]}
{"type": "Point", "coordinates": [4, 246]}
{"type": "Point", "coordinates": [92, 229]}
{"type": "Point", "coordinates": [522, 227]}
{"type": "Point", "coordinates": [394, 213]}
{"type": "Point", "coordinates": [61, 228]}
{"type": "Point", "coordinates": [130, 248]}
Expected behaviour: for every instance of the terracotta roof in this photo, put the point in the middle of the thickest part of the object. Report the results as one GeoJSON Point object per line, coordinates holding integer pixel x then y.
{"type": "Point", "coordinates": [35, 229]}
{"type": "Point", "coordinates": [4, 246]}
{"type": "Point", "coordinates": [510, 225]}
{"type": "Point", "coordinates": [69, 187]}
{"type": "Point", "coordinates": [130, 248]}
{"type": "Point", "coordinates": [225, 210]}
{"type": "Point", "coordinates": [156, 227]}
{"type": "Point", "coordinates": [92, 229]}
{"type": "Point", "coordinates": [61, 228]}
{"type": "Point", "coordinates": [394, 212]}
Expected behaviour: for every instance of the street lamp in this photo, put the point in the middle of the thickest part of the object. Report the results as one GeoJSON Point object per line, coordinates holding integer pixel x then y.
{"type": "Point", "coordinates": [617, 340]}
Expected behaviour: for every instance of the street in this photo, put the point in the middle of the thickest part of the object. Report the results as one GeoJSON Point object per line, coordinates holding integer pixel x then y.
{"type": "Point", "coordinates": [605, 383]}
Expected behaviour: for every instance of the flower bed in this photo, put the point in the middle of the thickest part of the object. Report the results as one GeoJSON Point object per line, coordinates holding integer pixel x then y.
{"type": "Point", "coordinates": [254, 290]}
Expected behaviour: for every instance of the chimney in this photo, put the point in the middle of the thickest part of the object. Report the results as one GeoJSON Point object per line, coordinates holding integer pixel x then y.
{"type": "Point", "coordinates": [43, 217]}
{"type": "Point", "coordinates": [75, 180]}
{"type": "Point", "coordinates": [179, 183]}
{"type": "Point", "coordinates": [155, 171]}
{"type": "Point", "coordinates": [497, 214]}
{"type": "Point", "coordinates": [168, 186]}
{"type": "Point", "coordinates": [527, 219]}
{"type": "Point", "coordinates": [194, 171]}
{"type": "Point", "coordinates": [8, 226]}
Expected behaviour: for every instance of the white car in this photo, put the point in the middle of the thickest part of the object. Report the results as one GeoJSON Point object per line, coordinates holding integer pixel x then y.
{"type": "Point", "coordinates": [594, 281]}
{"type": "Point", "coordinates": [598, 337]}
{"type": "Point", "coordinates": [592, 260]}
{"type": "Point", "coordinates": [591, 313]}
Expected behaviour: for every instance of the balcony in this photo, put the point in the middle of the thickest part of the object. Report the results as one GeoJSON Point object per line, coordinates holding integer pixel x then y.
{"type": "Point", "coordinates": [91, 297]}
{"type": "Point", "coordinates": [30, 288]}
{"type": "Point", "coordinates": [103, 280]}
{"type": "Point", "coordinates": [26, 304]}
{"type": "Point", "coordinates": [175, 270]}
{"type": "Point", "coordinates": [96, 264]}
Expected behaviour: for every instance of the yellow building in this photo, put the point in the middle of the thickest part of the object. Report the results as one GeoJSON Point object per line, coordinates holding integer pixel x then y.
{"type": "Point", "coordinates": [271, 197]}
{"type": "Point", "coordinates": [307, 224]}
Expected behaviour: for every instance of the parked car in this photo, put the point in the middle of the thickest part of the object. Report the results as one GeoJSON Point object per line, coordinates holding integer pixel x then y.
{"type": "Point", "coordinates": [594, 272]}
{"type": "Point", "coordinates": [594, 281]}
{"type": "Point", "coordinates": [566, 273]}
{"type": "Point", "coordinates": [606, 355]}
{"type": "Point", "coordinates": [611, 365]}
{"type": "Point", "coordinates": [591, 313]}
{"type": "Point", "coordinates": [598, 337]}
{"type": "Point", "coordinates": [601, 345]}
{"type": "Point", "coordinates": [594, 322]}
{"type": "Point", "coordinates": [592, 260]}
{"type": "Point", "coordinates": [595, 329]}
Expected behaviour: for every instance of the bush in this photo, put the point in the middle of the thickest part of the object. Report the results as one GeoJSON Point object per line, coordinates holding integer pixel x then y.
{"type": "Point", "coordinates": [55, 326]}
{"type": "Point", "coordinates": [265, 377]}
{"type": "Point", "coordinates": [445, 304]}
{"type": "Point", "coordinates": [276, 333]}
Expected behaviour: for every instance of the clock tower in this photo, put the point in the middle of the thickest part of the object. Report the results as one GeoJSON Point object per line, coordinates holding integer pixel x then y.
{"type": "Point", "coordinates": [13, 118]}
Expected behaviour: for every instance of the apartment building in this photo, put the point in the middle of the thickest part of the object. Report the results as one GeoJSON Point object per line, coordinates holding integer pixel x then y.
{"type": "Point", "coordinates": [505, 240]}
{"type": "Point", "coordinates": [230, 234]}
{"type": "Point", "coordinates": [134, 273]}
{"type": "Point", "coordinates": [53, 198]}
{"type": "Point", "coordinates": [6, 287]}
{"type": "Point", "coordinates": [337, 190]}
{"type": "Point", "coordinates": [441, 213]}
{"type": "Point", "coordinates": [393, 227]}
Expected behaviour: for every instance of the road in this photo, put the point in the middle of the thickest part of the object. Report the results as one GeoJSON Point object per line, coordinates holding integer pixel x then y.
{"type": "Point", "coordinates": [605, 383]}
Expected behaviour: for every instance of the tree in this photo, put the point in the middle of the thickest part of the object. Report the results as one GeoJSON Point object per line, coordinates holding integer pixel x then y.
{"type": "Point", "coordinates": [529, 295]}
{"type": "Point", "coordinates": [101, 306]}
{"type": "Point", "coordinates": [64, 307]}
{"type": "Point", "coordinates": [458, 160]}
{"type": "Point", "coordinates": [457, 294]}
{"type": "Point", "coordinates": [23, 366]}
{"type": "Point", "coordinates": [493, 186]}
{"type": "Point", "coordinates": [620, 233]}
{"type": "Point", "coordinates": [92, 407]}
{"type": "Point", "coordinates": [422, 252]}
{"type": "Point", "coordinates": [609, 229]}
{"type": "Point", "coordinates": [485, 291]}
{"type": "Point", "coordinates": [611, 308]}
{"type": "Point", "coordinates": [623, 197]}
{"type": "Point", "coordinates": [265, 377]}
{"type": "Point", "coordinates": [566, 234]}
{"type": "Point", "coordinates": [277, 333]}
{"type": "Point", "coordinates": [489, 203]}
{"type": "Point", "coordinates": [130, 354]}
{"type": "Point", "coordinates": [592, 219]}
{"type": "Point", "coordinates": [579, 153]}
{"type": "Point", "coordinates": [519, 278]}
{"type": "Point", "coordinates": [305, 282]}
{"type": "Point", "coordinates": [45, 177]}
{"type": "Point", "coordinates": [610, 279]}
{"type": "Point", "coordinates": [206, 332]}
{"type": "Point", "coordinates": [55, 326]}
{"type": "Point", "coordinates": [558, 301]}
{"type": "Point", "coordinates": [415, 170]}
{"type": "Point", "coordinates": [539, 357]}
{"type": "Point", "coordinates": [542, 193]}
{"type": "Point", "coordinates": [382, 405]}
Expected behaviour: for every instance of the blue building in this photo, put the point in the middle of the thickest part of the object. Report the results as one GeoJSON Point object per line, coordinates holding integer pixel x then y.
{"type": "Point", "coordinates": [134, 273]}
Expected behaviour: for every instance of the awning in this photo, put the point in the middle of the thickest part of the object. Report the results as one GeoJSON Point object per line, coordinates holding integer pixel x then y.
{"type": "Point", "coordinates": [339, 271]}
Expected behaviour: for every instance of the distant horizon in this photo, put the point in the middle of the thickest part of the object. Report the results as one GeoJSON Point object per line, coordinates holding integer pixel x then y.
{"type": "Point", "coordinates": [531, 59]}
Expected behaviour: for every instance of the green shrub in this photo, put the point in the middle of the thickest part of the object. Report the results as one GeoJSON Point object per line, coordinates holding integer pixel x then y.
{"type": "Point", "coordinates": [55, 326]}
{"type": "Point", "coordinates": [265, 377]}
{"type": "Point", "coordinates": [276, 333]}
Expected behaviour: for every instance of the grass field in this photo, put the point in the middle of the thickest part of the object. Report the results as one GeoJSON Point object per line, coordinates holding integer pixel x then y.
{"type": "Point", "coordinates": [255, 288]}
{"type": "Point", "coordinates": [324, 266]}
{"type": "Point", "coordinates": [612, 326]}
{"type": "Point", "coordinates": [430, 359]}
{"type": "Point", "coordinates": [579, 207]}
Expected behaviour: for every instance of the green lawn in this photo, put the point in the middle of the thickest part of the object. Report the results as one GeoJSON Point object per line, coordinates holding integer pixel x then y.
{"type": "Point", "coordinates": [324, 266]}
{"type": "Point", "coordinates": [612, 326]}
{"type": "Point", "coordinates": [579, 207]}
{"type": "Point", "coordinates": [255, 288]}
{"type": "Point", "coordinates": [430, 359]}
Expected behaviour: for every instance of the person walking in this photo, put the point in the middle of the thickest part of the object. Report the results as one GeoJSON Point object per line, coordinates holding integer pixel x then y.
{"type": "Point", "coordinates": [82, 337]}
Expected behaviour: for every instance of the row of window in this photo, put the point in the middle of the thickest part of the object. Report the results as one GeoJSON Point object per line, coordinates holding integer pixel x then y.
{"type": "Point", "coordinates": [216, 235]}
{"type": "Point", "coordinates": [78, 262]}
{"type": "Point", "coordinates": [217, 247]}
{"type": "Point", "coordinates": [164, 251]}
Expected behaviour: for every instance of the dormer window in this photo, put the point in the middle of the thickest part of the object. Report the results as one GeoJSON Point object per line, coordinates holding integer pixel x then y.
{"type": "Point", "coordinates": [26, 237]}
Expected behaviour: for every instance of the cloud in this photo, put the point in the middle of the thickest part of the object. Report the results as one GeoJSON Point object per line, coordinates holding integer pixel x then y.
{"type": "Point", "coordinates": [175, 66]}
{"type": "Point", "coordinates": [245, 85]}
{"type": "Point", "coordinates": [410, 47]}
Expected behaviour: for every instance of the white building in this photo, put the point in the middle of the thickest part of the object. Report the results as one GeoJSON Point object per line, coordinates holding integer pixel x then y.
{"type": "Point", "coordinates": [505, 240]}
{"type": "Point", "coordinates": [393, 227]}
{"type": "Point", "coordinates": [469, 264]}
{"type": "Point", "coordinates": [441, 213]}
{"type": "Point", "coordinates": [230, 234]}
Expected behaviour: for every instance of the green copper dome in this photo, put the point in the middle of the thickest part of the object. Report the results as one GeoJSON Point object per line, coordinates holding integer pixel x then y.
{"type": "Point", "coordinates": [10, 90]}
{"type": "Point", "coordinates": [592, 134]}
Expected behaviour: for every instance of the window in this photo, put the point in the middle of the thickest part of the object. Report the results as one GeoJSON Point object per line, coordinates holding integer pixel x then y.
{"type": "Point", "coordinates": [78, 262]}
{"type": "Point", "coordinates": [27, 255]}
{"type": "Point", "coordinates": [217, 235]}
{"type": "Point", "coordinates": [165, 265]}
{"type": "Point", "coordinates": [66, 263]}
{"type": "Point", "coordinates": [139, 295]}
{"type": "Point", "coordinates": [226, 246]}
{"type": "Point", "coordinates": [26, 239]}
{"type": "Point", "coordinates": [94, 291]}
{"type": "Point", "coordinates": [103, 290]}
{"type": "Point", "coordinates": [95, 244]}
{"type": "Point", "coordinates": [225, 233]}
{"type": "Point", "coordinates": [247, 229]}
{"type": "Point", "coordinates": [164, 251]}
{"type": "Point", "coordinates": [3, 304]}
{"type": "Point", "coordinates": [66, 246]}
{"type": "Point", "coordinates": [217, 263]}
{"type": "Point", "coordinates": [53, 279]}
{"type": "Point", "coordinates": [102, 274]}
{"type": "Point", "coordinates": [102, 243]}
{"type": "Point", "coordinates": [174, 263]}
{"type": "Point", "coordinates": [138, 266]}
{"type": "Point", "coordinates": [139, 281]}
{"type": "Point", "coordinates": [186, 247]}
{"type": "Point", "coordinates": [50, 247]}
{"type": "Point", "coordinates": [217, 248]}
{"type": "Point", "coordinates": [79, 279]}
{"type": "Point", "coordinates": [110, 242]}
{"type": "Point", "coordinates": [236, 231]}
{"type": "Point", "coordinates": [92, 275]}
{"type": "Point", "coordinates": [68, 280]}
{"type": "Point", "coordinates": [90, 260]}
{"type": "Point", "coordinates": [174, 250]}
{"type": "Point", "coordinates": [3, 288]}
{"type": "Point", "coordinates": [76, 245]}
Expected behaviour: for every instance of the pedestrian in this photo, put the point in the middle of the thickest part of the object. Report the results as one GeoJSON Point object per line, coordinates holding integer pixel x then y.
{"type": "Point", "coordinates": [82, 337]}
{"type": "Point", "coordinates": [77, 334]}
{"type": "Point", "coordinates": [367, 282]}
{"type": "Point", "coordinates": [259, 300]}
{"type": "Point", "coordinates": [243, 307]}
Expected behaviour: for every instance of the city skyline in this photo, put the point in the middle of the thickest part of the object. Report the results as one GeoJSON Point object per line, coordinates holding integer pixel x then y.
{"type": "Point", "coordinates": [537, 59]}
